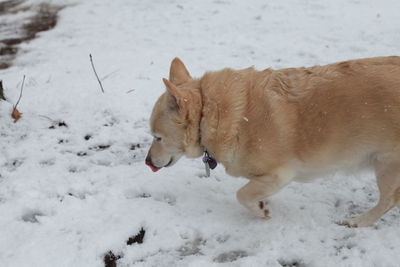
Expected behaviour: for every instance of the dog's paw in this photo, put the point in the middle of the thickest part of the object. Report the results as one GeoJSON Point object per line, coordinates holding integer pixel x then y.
{"type": "Point", "coordinates": [363, 220]}
{"type": "Point", "coordinates": [263, 212]}
{"type": "Point", "coordinates": [359, 221]}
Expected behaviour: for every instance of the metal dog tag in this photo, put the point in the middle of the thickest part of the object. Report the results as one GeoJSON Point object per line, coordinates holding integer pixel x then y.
{"type": "Point", "coordinates": [207, 168]}
{"type": "Point", "coordinates": [209, 162]}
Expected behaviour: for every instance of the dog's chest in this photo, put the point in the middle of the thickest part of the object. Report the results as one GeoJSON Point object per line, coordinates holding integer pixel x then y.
{"type": "Point", "coordinates": [307, 173]}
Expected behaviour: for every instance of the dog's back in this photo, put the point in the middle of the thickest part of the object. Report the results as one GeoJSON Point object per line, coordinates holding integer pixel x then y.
{"type": "Point", "coordinates": [348, 108]}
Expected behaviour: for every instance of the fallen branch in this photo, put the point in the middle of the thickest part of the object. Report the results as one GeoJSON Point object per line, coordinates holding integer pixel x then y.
{"type": "Point", "coordinates": [94, 69]}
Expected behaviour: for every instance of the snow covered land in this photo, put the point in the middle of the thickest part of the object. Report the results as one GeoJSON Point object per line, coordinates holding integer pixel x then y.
{"type": "Point", "coordinates": [74, 190]}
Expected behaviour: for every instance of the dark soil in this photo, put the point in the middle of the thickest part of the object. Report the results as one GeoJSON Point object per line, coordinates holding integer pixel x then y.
{"type": "Point", "coordinates": [81, 154]}
{"type": "Point", "coordinates": [100, 147]}
{"type": "Point", "coordinates": [135, 146]}
{"type": "Point", "coordinates": [292, 263]}
{"type": "Point", "coordinates": [110, 259]}
{"type": "Point", "coordinates": [9, 6]}
{"type": "Point", "coordinates": [44, 19]}
{"type": "Point", "coordinates": [2, 97]}
{"type": "Point", "coordinates": [58, 124]}
{"type": "Point", "coordinates": [136, 238]}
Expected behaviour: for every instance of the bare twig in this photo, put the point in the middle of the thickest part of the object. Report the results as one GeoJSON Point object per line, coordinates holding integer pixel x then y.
{"type": "Point", "coordinates": [2, 97]}
{"type": "Point", "coordinates": [20, 94]}
{"type": "Point", "coordinates": [16, 115]}
{"type": "Point", "coordinates": [97, 76]}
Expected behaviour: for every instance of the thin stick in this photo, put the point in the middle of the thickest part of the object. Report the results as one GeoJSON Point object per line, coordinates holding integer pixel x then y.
{"type": "Point", "coordinates": [20, 94]}
{"type": "Point", "coordinates": [97, 76]}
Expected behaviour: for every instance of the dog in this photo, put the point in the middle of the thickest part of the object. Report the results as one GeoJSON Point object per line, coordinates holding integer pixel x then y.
{"type": "Point", "coordinates": [277, 126]}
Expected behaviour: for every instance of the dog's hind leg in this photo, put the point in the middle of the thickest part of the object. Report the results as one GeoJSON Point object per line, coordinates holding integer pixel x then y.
{"type": "Point", "coordinates": [388, 179]}
{"type": "Point", "coordinates": [253, 194]}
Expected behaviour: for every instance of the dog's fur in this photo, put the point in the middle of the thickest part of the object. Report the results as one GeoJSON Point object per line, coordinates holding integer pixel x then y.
{"type": "Point", "coordinates": [276, 126]}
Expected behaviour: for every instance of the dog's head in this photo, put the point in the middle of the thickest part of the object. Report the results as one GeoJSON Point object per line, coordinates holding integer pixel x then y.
{"type": "Point", "coordinates": [175, 119]}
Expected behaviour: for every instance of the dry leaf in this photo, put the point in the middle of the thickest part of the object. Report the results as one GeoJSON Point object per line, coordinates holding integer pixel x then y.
{"type": "Point", "coordinates": [16, 115]}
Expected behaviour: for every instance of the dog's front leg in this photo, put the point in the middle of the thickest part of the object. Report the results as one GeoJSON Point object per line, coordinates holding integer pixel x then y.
{"type": "Point", "coordinates": [253, 194]}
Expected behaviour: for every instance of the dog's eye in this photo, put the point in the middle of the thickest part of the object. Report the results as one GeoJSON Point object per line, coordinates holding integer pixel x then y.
{"type": "Point", "coordinates": [158, 139]}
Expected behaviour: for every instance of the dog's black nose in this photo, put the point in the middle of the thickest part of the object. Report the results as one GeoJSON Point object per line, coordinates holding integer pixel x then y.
{"type": "Point", "coordinates": [148, 160]}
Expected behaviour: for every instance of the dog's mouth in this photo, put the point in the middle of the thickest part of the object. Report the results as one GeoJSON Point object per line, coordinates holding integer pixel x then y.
{"type": "Point", "coordinates": [154, 168]}
{"type": "Point", "coordinates": [170, 162]}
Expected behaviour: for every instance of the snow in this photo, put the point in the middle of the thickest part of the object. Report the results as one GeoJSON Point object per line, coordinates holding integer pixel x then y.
{"type": "Point", "coordinates": [67, 201]}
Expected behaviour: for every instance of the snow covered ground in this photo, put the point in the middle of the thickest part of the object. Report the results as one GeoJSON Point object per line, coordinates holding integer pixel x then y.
{"type": "Point", "coordinates": [73, 185]}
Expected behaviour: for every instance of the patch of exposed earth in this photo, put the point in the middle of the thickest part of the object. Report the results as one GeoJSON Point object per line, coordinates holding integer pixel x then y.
{"type": "Point", "coordinates": [21, 22]}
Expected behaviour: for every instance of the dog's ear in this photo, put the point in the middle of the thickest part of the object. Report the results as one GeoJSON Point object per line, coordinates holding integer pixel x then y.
{"type": "Point", "coordinates": [176, 98]}
{"type": "Point", "coordinates": [172, 89]}
{"type": "Point", "coordinates": [178, 74]}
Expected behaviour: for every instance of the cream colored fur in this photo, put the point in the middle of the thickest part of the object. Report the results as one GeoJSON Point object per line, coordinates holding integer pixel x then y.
{"type": "Point", "coordinates": [276, 126]}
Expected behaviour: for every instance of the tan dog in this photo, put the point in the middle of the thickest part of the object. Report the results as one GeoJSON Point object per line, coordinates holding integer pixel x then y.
{"type": "Point", "coordinates": [276, 126]}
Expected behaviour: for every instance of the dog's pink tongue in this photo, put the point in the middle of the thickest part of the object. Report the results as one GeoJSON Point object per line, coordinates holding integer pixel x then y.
{"type": "Point", "coordinates": [152, 167]}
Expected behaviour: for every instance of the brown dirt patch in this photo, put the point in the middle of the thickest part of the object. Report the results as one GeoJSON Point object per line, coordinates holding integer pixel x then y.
{"type": "Point", "coordinates": [9, 6]}
{"type": "Point", "coordinates": [138, 238]}
{"type": "Point", "coordinates": [44, 18]}
{"type": "Point", "coordinates": [110, 259]}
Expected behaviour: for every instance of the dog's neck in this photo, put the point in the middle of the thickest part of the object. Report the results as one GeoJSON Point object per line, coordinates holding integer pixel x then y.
{"type": "Point", "coordinates": [194, 147]}
{"type": "Point", "coordinates": [192, 139]}
{"type": "Point", "coordinates": [223, 98]}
